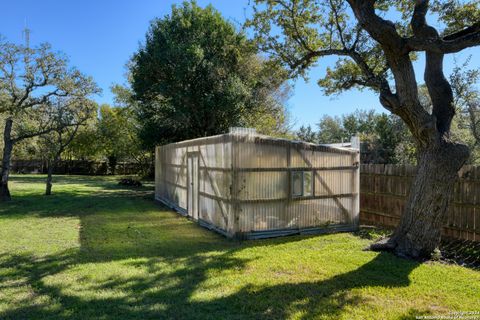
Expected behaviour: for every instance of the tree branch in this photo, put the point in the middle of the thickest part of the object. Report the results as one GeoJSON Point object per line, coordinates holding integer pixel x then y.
{"type": "Point", "coordinates": [383, 31]}
{"type": "Point", "coordinates": [394, 46]}
{"type": "Point", "coordinates": [418, 22]}
{"type": "Point", "coordinates": [305, 60]}
{"type": "Point", "coordinates": [455, 42]}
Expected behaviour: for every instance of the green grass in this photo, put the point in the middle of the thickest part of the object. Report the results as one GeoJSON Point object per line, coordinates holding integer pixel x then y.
{"type": "Point", "coordinates": [94, 250]}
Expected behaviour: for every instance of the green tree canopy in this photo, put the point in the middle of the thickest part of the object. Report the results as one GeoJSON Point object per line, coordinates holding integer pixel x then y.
{"type": "Point", "coordinates": [196, 75]}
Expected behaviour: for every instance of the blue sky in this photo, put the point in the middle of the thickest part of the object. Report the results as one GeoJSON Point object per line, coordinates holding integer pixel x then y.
{"type": "Point", "coordinates": [100, 36]}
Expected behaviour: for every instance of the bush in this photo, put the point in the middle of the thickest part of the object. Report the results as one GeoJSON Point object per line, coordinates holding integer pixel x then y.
{"type": "Point", "coordinates": [130, 182]}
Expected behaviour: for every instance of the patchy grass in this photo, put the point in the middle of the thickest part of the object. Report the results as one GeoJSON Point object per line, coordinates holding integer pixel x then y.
{"type": "Point", "coordinates": [95, 250]}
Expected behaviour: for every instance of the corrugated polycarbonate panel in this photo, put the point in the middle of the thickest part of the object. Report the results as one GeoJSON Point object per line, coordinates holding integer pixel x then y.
{"type": "Point", "coordinates": [214, 177]}
{"type": "Point", "coordinates": [177, 176]}
{"type": "Point", "coordinates": [177, 195]}
{"type": "Point", "coordinates": [264, 197]}
{"type": "Point", "coordinates": [294, 214]}
{"type": "Point", "coordinates": [217, 213]}
{"type": "Point", "coordinates": [172, 179]}
{"type": "Point", "coordinates": [253, 155]}
{"type": "Point", "coordinates": [217, 155]}
{"type": "Point", "coordinates": [245, 182]}
{"type": "Point", "coordinates": [310, 158]}
{"type": "Point", "coordinates": [158, 173]}
{"type": "Point", "coordinates": [215, 183]}
{"type": "Point", "coordinates": [263, 216]}
{"type": "Point", "coordinates": [322, 212]}
{"type": "Point", "coordinates": [334, 182]}
{"type": "Point", "coordinates": [262, 185]}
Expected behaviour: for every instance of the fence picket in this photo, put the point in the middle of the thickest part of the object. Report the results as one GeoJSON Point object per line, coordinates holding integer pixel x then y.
{"type": "Point", "coordinates": [384, 189]}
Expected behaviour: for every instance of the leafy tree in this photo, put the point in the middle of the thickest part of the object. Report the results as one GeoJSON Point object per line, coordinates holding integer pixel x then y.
{"type": "Point", "coordinates": [127, 112]}
{"type": "Point", "coordinates": [306, 133]}
{"type": "Point", "coordinates": [330, 130]}
{"type": "Point", "coordinates": [360, 121]}
{"type": "Point", "coordinates": [29, 79]}
{"type": "Point", "coordinates": [86, 145]}
{"type": "Point", "coordinates": [386, 136]}
{"type": "Point", "coordinates": [377, 53]}
{"type": "Point", "coordinates": [390, 132]}
{"type": "Point", "coordinates": [467, 101]}
{"type": "Point", "coordinates": [117, 135]}
{"type": "Point", "coordinates": [68, 115]}
{"type": "Point", "coordinates": [197, 76]}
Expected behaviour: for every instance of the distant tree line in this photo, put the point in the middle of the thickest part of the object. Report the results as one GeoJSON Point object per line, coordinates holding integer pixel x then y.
{"type": "Point", "coordinates": [385, 139]}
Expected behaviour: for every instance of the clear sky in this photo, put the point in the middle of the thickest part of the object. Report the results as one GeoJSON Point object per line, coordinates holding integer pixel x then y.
{"type": "Point", "coordinates": [100, 36]}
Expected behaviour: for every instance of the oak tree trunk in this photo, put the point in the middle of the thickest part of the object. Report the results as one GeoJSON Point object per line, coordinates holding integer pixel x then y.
{"type": "Point", "coordinates": [7, 155]}
{"type": "Point", "coordinates": [48, 190]}
{"type": "Point", "coordinates": [52, 163]}
{"type": "Point", "coordinates": [419, 230]}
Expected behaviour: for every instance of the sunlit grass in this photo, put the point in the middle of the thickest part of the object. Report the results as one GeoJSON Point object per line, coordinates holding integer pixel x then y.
{"type": "Point", "coordinates": [94, 250]}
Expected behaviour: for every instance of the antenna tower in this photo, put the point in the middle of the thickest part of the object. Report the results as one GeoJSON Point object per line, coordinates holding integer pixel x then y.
{"type": "Point", "coordinates": [26, 34]}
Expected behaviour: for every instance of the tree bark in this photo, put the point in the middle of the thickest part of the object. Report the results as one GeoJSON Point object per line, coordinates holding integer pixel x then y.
{"type": "Point", "coordinates": [52, 163]}
{"type": "Point", "coordinates": [7, 155]}
{"type": "Point", "coordinates": [419, 230]}
{"type": "Point", "coordinates": [439, 159]}
{"type": "Point", "coordinates": [48, 189]}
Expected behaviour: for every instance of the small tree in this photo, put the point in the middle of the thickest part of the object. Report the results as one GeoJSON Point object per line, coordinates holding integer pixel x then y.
{"type": "Point", "coordinates": [85, 145]}
{"type": "Point", "coordinates": [377, 54]}
{"type": "Point", "coordinates": [68, 115]}
{"type": "Point", "coordinates": [29, 80]}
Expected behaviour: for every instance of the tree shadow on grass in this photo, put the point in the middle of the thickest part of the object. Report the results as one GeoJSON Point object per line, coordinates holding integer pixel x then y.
{"type": "Point", "coordinates": [127, 231]}
{"type": "Point", "coordinates": [168, 295]}
{"type": "Point", "coordinates": [71, 197]}
{"type": "Point", "coordinates": [69, 179]}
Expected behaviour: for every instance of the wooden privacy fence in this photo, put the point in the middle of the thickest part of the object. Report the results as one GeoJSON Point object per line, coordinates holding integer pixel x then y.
{"type": "Point", "coordinates": [384, 189]}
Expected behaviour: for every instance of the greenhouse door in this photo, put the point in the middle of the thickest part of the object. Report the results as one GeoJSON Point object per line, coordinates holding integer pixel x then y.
{"type": "Point", "coordinates": [193, 185]}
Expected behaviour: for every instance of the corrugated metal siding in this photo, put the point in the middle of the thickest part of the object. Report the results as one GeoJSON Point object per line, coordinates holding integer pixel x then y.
{"type": "Point", "coordinates": [245, 183]}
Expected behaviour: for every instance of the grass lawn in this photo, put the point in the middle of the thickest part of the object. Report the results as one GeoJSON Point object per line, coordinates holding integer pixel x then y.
{"type": "Point", "coordinates": [94, 250]}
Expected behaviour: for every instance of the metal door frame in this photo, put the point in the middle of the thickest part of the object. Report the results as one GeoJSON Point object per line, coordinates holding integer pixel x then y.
{"type": "Point", "coordinates": [192, 213]}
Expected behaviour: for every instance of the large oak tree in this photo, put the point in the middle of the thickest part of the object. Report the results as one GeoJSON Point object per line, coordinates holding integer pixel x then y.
{"type": "Point", "coordinates": [377, 53]}
{"type": "Point", "coordinates": [30, 79]}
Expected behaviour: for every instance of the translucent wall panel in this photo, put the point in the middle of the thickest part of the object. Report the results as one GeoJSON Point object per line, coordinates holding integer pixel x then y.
{"type": "Point", "coordinates": [263, 216]}
{"type": "Point", "coordinates": [262, 185]}
{"type": "Point", "coordinates": [259, 155]}
{"type": "Point", "coordinates": [334, 182]}
{"type": "Point", "coordinates": [246, 183]}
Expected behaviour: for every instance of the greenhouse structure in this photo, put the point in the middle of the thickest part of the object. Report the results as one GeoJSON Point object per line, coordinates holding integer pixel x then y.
{"type": "Point", "coordinates": [248, 186]}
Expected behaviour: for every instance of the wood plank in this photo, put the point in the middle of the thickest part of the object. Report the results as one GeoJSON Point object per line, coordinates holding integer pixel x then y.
{"type": "Point", "coordinates": [384, 190]}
